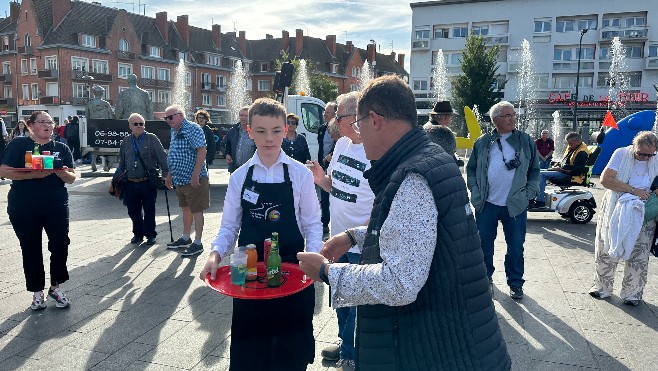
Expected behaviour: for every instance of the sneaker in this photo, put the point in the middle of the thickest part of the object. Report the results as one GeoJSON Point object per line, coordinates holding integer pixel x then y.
{"type": "Point", "coordinates": [332, 352]}
{"type": "Point", "coordinates": [38, 301]}
{"type": "Point", "coordinates": [136, 239]}
{"type": "Point", "coordinates": [192, 250]}
{"type": "Point", "coordinates": [60, 300]}
{"type": "Point", "coordinates": [516, 292]}
{"type": "Point", "coordinates": [346, 364]}
{"type": "Point", "coordinates": [632, 302]}
{"type": "Point", "coordinates": [179, 243]}
{"type": "Point", "coordinates": [150, 241]}
{"type": "Point", "coordinates": [599, 294]}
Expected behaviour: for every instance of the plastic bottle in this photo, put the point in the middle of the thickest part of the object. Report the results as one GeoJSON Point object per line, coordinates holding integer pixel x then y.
{"type": "Point", "coordinates": [274, 263]}
{"type": "Point", "coordinates": [238, 266]}
{"type": "Point", "coordinates": [28, 159]}
{"type": "Point", "coordinates": [252, 259]}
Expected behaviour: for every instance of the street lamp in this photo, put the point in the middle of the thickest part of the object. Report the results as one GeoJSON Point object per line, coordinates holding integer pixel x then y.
{"type": "Point", "coordinates": [575, 100]}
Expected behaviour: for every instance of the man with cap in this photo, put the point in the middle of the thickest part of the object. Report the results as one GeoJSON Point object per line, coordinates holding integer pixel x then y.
{"type": "Point", "coordinates": [441, 114]}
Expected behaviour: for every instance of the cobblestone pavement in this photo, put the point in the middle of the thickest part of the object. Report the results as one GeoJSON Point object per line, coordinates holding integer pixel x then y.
{"type": "Point", "coordinates": [143, 308]}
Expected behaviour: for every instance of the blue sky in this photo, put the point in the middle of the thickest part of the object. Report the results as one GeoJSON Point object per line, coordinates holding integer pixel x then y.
{"type": "Point", "coordinates": [388, 22]}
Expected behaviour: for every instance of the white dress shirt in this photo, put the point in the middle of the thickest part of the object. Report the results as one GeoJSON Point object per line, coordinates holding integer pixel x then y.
{"type": "Point", "coordinates": [307, 206]}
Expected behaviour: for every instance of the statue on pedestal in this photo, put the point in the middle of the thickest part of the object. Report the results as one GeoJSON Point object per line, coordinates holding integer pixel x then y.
{"type": "Point", "coordinates": [98, 108]}
{"type": "Point", "coordinates": [134, 100]}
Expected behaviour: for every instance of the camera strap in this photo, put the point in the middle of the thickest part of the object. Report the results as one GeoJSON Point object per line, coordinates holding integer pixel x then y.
{"type": "Point", "coordinates": [500, 146]}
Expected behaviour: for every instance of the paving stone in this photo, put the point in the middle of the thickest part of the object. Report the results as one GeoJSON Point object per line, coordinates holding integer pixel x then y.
{"type": "Point", "coordinates": [123, 358]}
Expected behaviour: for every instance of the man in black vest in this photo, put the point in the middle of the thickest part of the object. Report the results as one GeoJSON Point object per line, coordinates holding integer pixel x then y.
{"type": "Point", "coordinates": [421, 287]}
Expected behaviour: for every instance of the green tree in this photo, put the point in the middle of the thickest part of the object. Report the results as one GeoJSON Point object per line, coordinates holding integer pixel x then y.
{"type": "Point", "coordinates": [480, 74]}
{"type": "Point", "coordinates": [321, 86]}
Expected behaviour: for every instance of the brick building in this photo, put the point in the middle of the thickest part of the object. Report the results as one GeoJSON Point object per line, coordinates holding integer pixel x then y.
{"type": "Point", "coordinates": [51, 50]}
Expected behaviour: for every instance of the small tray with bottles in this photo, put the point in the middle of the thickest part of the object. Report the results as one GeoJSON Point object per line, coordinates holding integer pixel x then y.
{"type": "Point", "coordinates": [293, 280]}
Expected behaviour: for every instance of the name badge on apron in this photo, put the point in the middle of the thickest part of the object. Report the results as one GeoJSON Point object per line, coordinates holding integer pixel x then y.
{"type": "Point", "coordinates": [250, 196]}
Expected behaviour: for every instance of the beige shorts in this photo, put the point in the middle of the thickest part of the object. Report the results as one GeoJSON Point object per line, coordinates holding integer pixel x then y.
{"type": "Point", "coordinates": [196, 198]}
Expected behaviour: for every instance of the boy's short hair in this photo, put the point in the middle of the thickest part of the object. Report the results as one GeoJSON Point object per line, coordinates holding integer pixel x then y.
{"type": "Point", "coordinates": [267, 107]}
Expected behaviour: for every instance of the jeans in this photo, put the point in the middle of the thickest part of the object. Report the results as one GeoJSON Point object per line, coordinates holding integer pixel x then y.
{"type": "Point", "coordinates": [546, 163]}
{"type": "Point", "coordinates": [544, 175]}
{"type": "Point", "coordinates": [346, 316]}
{"type": "Point", "coordinates": [514, 229]}
{"type": "Point", "coordinates": [137, 197]}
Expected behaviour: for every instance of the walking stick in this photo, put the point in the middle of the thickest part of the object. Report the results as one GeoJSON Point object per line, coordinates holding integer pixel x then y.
{"type": "Point", "coordinates": [171, 233]}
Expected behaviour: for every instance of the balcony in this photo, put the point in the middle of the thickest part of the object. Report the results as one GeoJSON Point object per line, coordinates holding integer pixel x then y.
{"type": "Point", "coordinates": [78, 101]}
{"type": "Point", "coordinates": [208, 86]}
{"type": "Point", "coordinates": [48, 74]}
{"type": "Point", "coordinates": [7, 101]}
{"type": "Point", "coordinates": [5, 77]}
{"type": "Point", "coordinates": [562, 66]}
{"type": "Point", "coordinates": [513, 67]}
{"type": "Point", "coordinates": [49, 100]}
{"type": "Point", "coordinates": [156, 83]}
{"type": "Point", "coordinates": [221, 87]}
{"type": "Point", "coordinates": [639, 33]}
{"type": "Point", "coordinates": [502, 39]}
{"type": "Point", "coordinates": [159, 106]}
{"type": "Point", "coordinates": [420, 44]}
{"type": "Point", "coordinates": [128, 56]}
{"type": "Point", "coordinates": [652, 63]}
{"type": "Point", "coordinates": [24, 50]}
{"type": "Point", "coordinates": [78, 75]}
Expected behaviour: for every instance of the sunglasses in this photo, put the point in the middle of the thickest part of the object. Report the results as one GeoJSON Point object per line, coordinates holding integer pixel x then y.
{"type": "Point", "coordinates": [138, 124]}
{"type": "Point", "coordinates": [171, 117]}
{"type": "Point", "coordinates": [292, 123]}
{"type": "Point", "coordinates": [645, 155]}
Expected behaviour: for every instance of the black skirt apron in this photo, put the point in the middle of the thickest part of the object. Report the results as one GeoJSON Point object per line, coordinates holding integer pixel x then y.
{"type": "Point", "coordinates": [275, 334]}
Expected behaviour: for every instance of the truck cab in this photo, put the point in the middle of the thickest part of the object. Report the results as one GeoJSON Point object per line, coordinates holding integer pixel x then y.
{"type": "Point", "coordinates": [311, 116]}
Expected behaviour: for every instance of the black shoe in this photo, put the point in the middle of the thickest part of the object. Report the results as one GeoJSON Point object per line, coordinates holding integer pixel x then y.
{"type": "Point", "coordinates": [179, 243]}
{"type": "Point", "coordinates": [150, 241]}
{"type": "Point", "coordinates": [136, 239]}
{"type": "Point", "coordinates": [516, 292]}
{"type": "Point", "coordinates": [331, 352]}
{"type": "Point", "coordinates": [632, 302]}
{"type": "Point", "coordinates": [192, 250]}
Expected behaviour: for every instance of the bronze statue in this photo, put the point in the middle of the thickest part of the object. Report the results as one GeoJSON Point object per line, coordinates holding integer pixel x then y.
{"type": "Point", "coordinates": [98, 108]}
{"type": "Point", "coordinates": [134, 100]}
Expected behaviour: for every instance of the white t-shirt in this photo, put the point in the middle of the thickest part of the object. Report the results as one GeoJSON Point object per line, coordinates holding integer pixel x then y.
{"type": "Point", "coordinates": [351, 197]}
{"type": "Point", "coordinates": [499, 177]}
{"type": "Point", "coordinates": [640, 174]}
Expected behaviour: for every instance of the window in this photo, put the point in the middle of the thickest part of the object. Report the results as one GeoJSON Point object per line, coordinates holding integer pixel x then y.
{"type": "Point", "coordinates": [88, 40]}
{"type": "Point", "coordinates": [124, 69]}
{"type": "Point", "coordinates": [220, 81]}
{"type": "Point", "coordinates": [23, 66]}
{"type": "Point", "coordinates": [586, 53]}
{"type": "Point", "coordinates": [264, 67]}
{"type": "Point", "coordinates": [635, 22]}
{"type": "Point", "coordinates": [603, 53]}
{"type": "Point", "coordinates": [205, 99]}
{"type": "Point", "coordinates": [79, 64]}
{"type": "Point", "coordinates": [420, 84]}
{"type": "Point", "coordinates": [587, 24]}
{"type": "Point", "coordinates": [480, 30]}
{"type": "Point", "coordinates": [612, 22]}
{"type": "Point", "coordinates": [163, 74]}
{"type": "Point", "coordinates": [634, 79]}
{"type": "Point", "coordinates": [7, 91]}
{"type": "Point", "coordinates": [148, 72]}
{"type": "Point", "coordinates": [213, 59]}
{"type": "Point", "coordinates": [35, 91]}
{"type": "Point", "coordinates": [334, 68]}
{"type": "Point", "coordinates": [354, 87]}
{"type": "Point", "coordinates": [422, 34]}
{"type": "Point", "coordinates": [653, 52]}
{"type": "Point", "coordinates": [155, 52]}
{"type": "Point", "coordinates": [5, 43]}
{"type": "Point", "coordinates": [99, 66]}
{"type": "Point", "coordinates": [564, 26]}
{"type": "Point", "coordinates": [28, 40]}
{"type": "Point", "coordinates": [441, 33]}
{"type": "Point", "coordinates": [221, 100]}
{"type": "Point", "coordinates": [33, 66]}
{"type": "Point", "coordinates": [184, 56]}
{"type": "Point", "coordinates": [206, 81]}
{"type": "Point", "coordinates": [50, 63]}
{"type": "Point", "coordinates": [542, 26]}
{"type": "Point", "coordinates": [356, 71]}
{"type": "Point", "coordinates": [562, 54]}
{"type": "Point", "coordinates": [151, 94]}
{"type": "Point", "coordinates": [459, 32]}
{"type": "Point", "coordinates": [6, 68]}
{"type": "Point", "coordinates": [633, 51]}
{"type": "Point", "coordinates": [79, 90]}
{"type": "Point", "coordinates": [163, 96]}
{"type": "Point", "coordinates": [52, 89]}
{"type": "Point", "coordinates": [564, 82]}
{"type": "Point", "coordinates": [26, 91]}
{"type": "Point", "coordinates": [246, 66]}
{"type": "Point", "coordinates": [455, 59]}
{"type": "Point", "coordinates": [541, 81]}
{"type": "Point", "coordinates": [264, 85]}
{"type": "Point", "coordinates": [188, 78]}
{"type": "Point", "coordinates": [124, 46]}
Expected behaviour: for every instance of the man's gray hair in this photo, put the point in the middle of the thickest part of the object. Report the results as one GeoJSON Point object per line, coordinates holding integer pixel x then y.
{"type": "Point", "coordinates": [349, 101]}
{"type": "Point", "coordinates": [494, 111]}
{"type": "Point", "coordinates": [178, 108]}
{"type": "Point", "coordinates": [331, 104]}
{"type": "Point", "coordinates": [132, 115]}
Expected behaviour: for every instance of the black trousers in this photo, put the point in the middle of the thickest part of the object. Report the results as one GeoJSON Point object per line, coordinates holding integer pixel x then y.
{"type": "Point", "coordinates": [29, 223]}
{"type": "Point", "coordinates": [74, 145]}
{"type": "Point", "coordinates": [324, 207]}
{"type": "Point", "coordinates": [140, 197]}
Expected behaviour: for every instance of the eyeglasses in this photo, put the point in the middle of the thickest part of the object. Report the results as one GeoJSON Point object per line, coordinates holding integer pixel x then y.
{"type": "Point", "coordinates": [355, 124]}
{"type": "Point", "coordinates": [171, 117]}
{"type": "Point", "coordinates": [292, 123]}
{"type": "Point", "coordinates": [45, 122]}
{"type": "Point", "coordinates": [645, 155]}
{"type": "Point", "coordinates": [340, 117]}
{"type": "Point", "coordinates": [138, 124]}
{"type": "Point", "coordinates": [507, 116]}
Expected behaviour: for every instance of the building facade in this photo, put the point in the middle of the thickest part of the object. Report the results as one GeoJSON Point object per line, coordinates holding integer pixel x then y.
{"type": "Point", "coordinates": [54, 50]}
{"type": "Point", "coordinates": [553, 30]}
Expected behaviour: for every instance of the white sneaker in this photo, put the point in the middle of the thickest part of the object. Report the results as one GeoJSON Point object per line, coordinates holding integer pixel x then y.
{"type": "Point", "coordinates": [60, 299]}
{"type": "Point", "coordinates": [38, 301]}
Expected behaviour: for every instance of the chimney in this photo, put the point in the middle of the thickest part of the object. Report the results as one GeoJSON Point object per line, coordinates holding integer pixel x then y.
{"type": "Point", "coordinates": [299, 41]}
{"type": "Point", "coordinates": [268, 36]}
{"type": "Point", "coordinates": [182, 25]}
{"type": "Point", "coordinates": [370, 54]}
{"type": "Point", "coordinates": [60, 9]}
{"type": "Point", "coordinates": [242, 42]}
{"type": "Point", "coordinates": [401, 60]}
{"type": "Point", "coordinates": [350, 46]}
{"type": "Point", "coordinates": [163, 27]}
{"type": "Point", "coordinates": [285, 40]}
{"type": "Point", "coordinates": [217, 36]}
{"type": "Point", "coordinates": [14, 10]}
{"type": "Point", "coordinates": [330, 40]}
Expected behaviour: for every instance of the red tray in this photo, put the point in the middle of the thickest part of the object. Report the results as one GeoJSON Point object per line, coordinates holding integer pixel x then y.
{"type": "Point", "coordinates": [27, 170]}
{"type": "Point", "coordinates": [293, 281]}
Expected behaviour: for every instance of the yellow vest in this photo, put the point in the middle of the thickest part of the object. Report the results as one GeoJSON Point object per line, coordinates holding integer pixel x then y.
{"type": "Point", "coordinates": [581, 148]}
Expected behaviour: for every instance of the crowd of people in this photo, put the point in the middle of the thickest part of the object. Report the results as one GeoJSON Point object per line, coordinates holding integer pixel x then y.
{"type": "Point", "coordinates": [383, 216]}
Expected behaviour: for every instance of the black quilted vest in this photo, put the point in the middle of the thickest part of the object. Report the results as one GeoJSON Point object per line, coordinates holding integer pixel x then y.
{"type": "Point", "coordinates": [452, 325]}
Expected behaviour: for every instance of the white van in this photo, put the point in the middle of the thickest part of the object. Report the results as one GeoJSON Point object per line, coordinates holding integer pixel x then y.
{"type": "Point", "coordinates": [311, 116]}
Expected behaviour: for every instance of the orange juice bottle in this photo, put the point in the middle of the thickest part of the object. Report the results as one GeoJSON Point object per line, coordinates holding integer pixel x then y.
{"type": "Point", "coordinates": [28, 159]}
{"type": "Point", "coordinates": [252, 258]}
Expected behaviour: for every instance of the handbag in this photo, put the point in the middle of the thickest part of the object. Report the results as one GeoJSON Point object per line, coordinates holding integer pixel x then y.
{"type": "Point", "coordinates": [651, 207]}
{"type": "Point", "coordinates": [153, 175]}
{"type": "Point", "coordinates": [118, 179]}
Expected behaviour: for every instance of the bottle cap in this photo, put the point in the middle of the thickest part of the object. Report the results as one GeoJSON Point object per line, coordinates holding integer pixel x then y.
{"type": "Point", "coordinates": [251, 246]}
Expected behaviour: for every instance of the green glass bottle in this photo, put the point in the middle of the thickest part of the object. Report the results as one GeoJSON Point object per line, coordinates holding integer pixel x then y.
{"type": "Point", "coordinates": [274, 263]}
{"type": "Point", "coordinates": [36, 150]}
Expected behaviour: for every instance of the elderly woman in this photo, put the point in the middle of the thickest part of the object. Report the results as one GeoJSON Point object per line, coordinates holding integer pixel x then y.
{"type": "Point", "coordinates": [294, 145]}
{"type": "Point", "coordinates": [38, 201]}
{"type": "Point", "coordinates": [627, 177]}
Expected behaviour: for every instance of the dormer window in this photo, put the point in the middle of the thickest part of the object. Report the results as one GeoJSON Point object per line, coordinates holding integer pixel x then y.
{"type": "Point", "coordinates": [28, 40]}
{"type": "Point", "coordinates": [88, 41]}
{"type": "Point", "coordinates": [155, 52]}
{"type": "Point", "coordinates": [334, 68]}
{"type": "Point", "coordinates": [124, 46]}
{"type": "Point", "coordinates": [264, 67]}
{"type": "Point", "coordinates": [213, 60]}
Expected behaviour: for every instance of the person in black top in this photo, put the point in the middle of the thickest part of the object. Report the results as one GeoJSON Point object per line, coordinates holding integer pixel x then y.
{"type": "Point", "coordinates": [72, 134]}
{"type": "Point", "coordinates": [202, 118]}
{"type": "Point", "coordinates": [294, 145]}
{"type": "Point", "coordinates": [31, 215]}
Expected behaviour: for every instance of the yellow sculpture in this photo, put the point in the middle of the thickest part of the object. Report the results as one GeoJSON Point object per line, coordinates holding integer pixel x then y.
{"type": "Point", "coordinates": [474, 130]}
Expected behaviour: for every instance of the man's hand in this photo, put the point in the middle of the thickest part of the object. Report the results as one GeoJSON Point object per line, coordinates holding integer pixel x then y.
{"type": "Point", "coordinates": [194, 182]}
{"type": "Point", "coordinates": [167, 181]}
{"type": "Point", "coordinates": [211, 266]}
{"type": "Point", "coordinates": [310, 263]}
{"type": "Point", "coordinates": [229, 159]}
{"type": "Point", "coordinates": [318, 172]}
{"type": "Point", "coordinates": [336, 246]}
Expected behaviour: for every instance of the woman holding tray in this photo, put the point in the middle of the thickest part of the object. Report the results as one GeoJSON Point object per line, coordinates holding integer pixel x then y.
{"type": "Point", "coordinates": [38, 201]}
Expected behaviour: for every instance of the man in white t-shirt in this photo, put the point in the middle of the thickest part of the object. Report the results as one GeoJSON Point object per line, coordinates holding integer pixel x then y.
{"type": "Point", "coordinates": [350, 205]}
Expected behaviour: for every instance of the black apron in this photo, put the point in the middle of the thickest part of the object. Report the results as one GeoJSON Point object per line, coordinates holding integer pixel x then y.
{"type": "Point", "coordinates": [275, 334]}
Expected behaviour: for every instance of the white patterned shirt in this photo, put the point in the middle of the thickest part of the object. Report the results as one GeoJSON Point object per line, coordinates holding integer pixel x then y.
{"type": "Point", "coordinates": [406, 241]}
